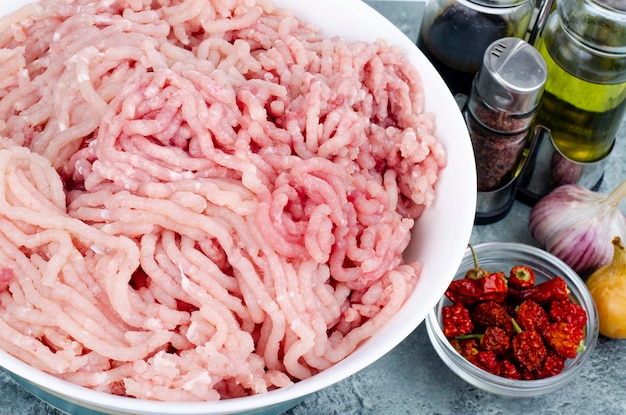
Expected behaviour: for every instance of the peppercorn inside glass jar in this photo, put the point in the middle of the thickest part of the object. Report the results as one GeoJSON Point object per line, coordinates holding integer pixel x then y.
{"type": "Point", "coordinates": [500, 111]}
{"type": "Point", "coordinates": [501, 108]}
{"type": "Point", "coordinates": [455, 33]}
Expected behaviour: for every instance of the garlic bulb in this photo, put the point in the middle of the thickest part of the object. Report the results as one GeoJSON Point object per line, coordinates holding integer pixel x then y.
{"type": "Point", "coordinates": [577, 225]}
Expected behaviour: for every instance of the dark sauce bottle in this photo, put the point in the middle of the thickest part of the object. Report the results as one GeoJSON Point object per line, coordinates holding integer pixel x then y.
{"type": "Point", "coordinates": [455, 33]}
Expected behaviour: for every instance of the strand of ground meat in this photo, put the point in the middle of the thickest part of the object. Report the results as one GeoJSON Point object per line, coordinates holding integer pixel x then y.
{"type": "Point", "coordinates": [206, 199]}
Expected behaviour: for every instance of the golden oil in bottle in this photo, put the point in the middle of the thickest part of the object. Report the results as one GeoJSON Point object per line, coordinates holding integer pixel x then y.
{"type": "Point", "coordinates": [583, 116]}
{"type": "Point", "coordinates": [585, 93]}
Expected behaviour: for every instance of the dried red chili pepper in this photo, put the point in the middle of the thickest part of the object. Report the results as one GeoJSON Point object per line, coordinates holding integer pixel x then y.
{"type": "Point", "coordinates": [554, 289]}
{"type": "Point", "coordinates": [494, 287]}
{"type": "Point", "coordinates": [564, 338]}
{"type": "Point", "coordinates": [521, 277]}
{"type": "Point", "coordinates": [495, 340]}
{"type": "Point", "coordinates": [491, 313]}
{"type": "Point", "coordinates": [456, 320]}
{"type": "Point", "coordinates": [531, 316]}
{"type": "Point", "coordinates": [553, 365]}
{"type": "Point", "coordinates": [509, 370]}
{"type": "Point", "coordinates": [569, 312]}
{"type": "Point", "coordinates": [527, 374]}
{"type": "Point", "coordinates": [464, 291]}
{"type": "Point", "coordinates": [529, 351]}
{"type": "Point", "coordinates": [511, 309]}
{"type": "Point", "coordinates": [466, 347]}
{"type": "Point", "coordinates": [477, 272]}
{"type": "Point", "coordinates": [468, 291]}
{"type": "Point", "coordinates": [527, 331]}
{"type": "Point", "coordinates": [488, 361]}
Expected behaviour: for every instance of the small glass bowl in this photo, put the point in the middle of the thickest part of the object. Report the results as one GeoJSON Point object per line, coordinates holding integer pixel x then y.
{"type": "Point", "coordinates": [502, 256]}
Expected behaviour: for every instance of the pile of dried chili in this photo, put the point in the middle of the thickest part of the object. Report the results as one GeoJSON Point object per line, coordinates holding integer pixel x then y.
{"type": "Point", "coordinates": [512, 327]}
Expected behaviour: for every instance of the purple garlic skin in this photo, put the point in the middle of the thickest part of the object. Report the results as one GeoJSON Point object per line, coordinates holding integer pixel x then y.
{"type": "Point", "coordinates": [577, 225]}
{"type": "Point", "coordinates": [564, 171]}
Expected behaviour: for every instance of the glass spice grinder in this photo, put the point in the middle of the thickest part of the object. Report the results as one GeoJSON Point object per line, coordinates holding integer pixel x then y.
{"type": "Point", "coordinates": [584, 46]}
{"type": "Point", "coordinates": [455, 33]}
{"type": "Point", "coordinates": [500, 112]}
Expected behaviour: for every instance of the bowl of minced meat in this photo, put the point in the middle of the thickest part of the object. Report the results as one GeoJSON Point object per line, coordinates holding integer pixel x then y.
{"type": "Point", "coordinates": [212, 207]}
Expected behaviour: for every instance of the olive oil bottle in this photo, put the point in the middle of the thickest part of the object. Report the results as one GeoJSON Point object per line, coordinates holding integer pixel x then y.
{"type": "Point", "coordinates": [584, 46]}
{"type": "Point", "coordinates": [583, 116]}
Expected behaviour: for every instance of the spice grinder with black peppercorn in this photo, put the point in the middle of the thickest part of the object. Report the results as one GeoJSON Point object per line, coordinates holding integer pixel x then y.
{"type": "Point", "coordinates": [506, 94]}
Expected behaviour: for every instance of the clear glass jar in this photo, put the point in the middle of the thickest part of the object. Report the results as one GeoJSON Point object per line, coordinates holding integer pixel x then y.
{"type": "Point", "coordinates": [502, 256]}
{"type": "Point", "coordinates": [455, 33]}
{"type": "Point", "coordinates": [584, 46]}
{"type": "Point", "coordinates": [498, 153]}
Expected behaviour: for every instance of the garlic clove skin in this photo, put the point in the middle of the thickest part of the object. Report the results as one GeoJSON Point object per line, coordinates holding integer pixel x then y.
{"type": "Point", "coordinates": [577, 225]}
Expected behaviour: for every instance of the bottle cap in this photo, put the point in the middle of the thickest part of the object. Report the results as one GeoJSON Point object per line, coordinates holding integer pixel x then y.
{"type": "Point", "coordinates": [512, 76]}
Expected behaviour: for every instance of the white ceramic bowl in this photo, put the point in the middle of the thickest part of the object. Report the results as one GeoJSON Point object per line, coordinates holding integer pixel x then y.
{"type": "Point", "coordinates": [440, 239]}
{"type": "Point", "coordinates": [502, 256]}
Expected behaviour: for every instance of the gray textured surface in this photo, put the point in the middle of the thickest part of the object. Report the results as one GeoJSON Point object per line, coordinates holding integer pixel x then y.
{"type": "Point", "coordinates": [412, 379]}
